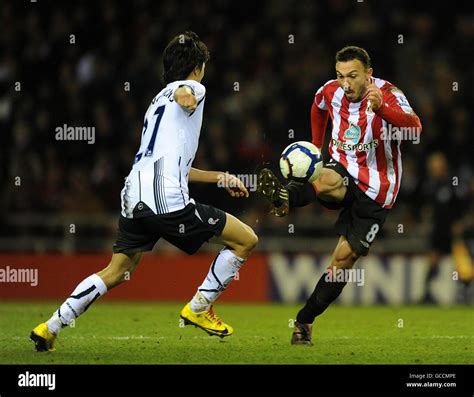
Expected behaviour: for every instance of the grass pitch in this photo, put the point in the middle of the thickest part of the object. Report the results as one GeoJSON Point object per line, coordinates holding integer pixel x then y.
{"type": "Point", "coordinates": [150, 333]}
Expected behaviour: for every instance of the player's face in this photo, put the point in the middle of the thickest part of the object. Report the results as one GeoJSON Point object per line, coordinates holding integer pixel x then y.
{"type": "Point", "coordinates": [353, 78]}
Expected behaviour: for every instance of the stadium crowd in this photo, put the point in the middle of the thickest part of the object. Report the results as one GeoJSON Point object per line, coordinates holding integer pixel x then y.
{"type": "Point", "coordinates": [98, 64]}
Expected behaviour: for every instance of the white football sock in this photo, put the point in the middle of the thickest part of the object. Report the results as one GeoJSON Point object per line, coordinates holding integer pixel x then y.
{"type": "Point", "coordinates": [78, 302]}
{"type": "Point", "coordinates": [199, 303]}
{"type": "Point", "coordinates": [222, 272]}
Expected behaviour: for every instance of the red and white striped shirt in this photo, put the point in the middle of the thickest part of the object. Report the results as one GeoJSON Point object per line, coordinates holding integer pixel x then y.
{"type": "Point", "coordinates": [363, 141]}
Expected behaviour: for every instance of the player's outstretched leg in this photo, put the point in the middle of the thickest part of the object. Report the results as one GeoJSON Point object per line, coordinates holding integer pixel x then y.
{"type": "Point", "coordinates": [239, 240]}
{"type": "Point", "coordinates": [272, 189]}
{"type": "Point", "coordinates": [86, 293]}
{"type": "Point", "coordinates": [328, 188]}
{"type": "Point", "coordinates": [326, 291]}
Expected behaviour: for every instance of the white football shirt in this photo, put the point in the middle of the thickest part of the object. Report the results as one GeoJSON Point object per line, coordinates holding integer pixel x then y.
{"type": "Point", "coordinates": [170, 137]}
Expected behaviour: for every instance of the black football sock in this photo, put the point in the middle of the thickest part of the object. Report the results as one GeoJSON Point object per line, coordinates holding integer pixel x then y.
{"type": "Point", "coordinates": [323, 295]}
{"type": "Point", "coordinates": [301, 194]}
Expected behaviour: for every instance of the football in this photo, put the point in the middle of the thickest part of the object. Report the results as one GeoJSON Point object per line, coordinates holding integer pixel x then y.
{"type": "Point", "coordinates": [301, 161]}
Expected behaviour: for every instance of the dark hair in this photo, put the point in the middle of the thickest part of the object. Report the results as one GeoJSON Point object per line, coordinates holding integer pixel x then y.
{"type": "Point", "coordinates": [182, 54]}
{"type": "Point", "coordinates": [351, 52]}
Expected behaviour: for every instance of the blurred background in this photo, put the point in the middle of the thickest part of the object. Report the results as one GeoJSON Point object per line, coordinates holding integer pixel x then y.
{"type": "Point", "coordinates": [98, 64]}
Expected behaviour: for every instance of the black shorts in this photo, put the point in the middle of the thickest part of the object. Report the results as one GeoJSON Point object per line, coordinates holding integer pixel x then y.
{"type": "Point", "coordinates": [361, 218]}
{"type": "Point", "coordinates": [186, 229]}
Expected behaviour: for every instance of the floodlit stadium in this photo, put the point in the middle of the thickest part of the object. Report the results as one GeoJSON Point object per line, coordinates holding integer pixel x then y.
{"type": "Point", "coordinates": [146, 214]}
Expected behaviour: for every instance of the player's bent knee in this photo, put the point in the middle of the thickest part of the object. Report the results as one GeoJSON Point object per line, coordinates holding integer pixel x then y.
{"type": "Point", "coordinates": [120, 269]}
{"type": "Point", "coordinates": [328, 180]}
{"type": "Point", "coordinates": [252, 240]}
{"type": "Point", "coordinates": [247, 244]}
{"type": "Point", "coordinates": [239, 237]}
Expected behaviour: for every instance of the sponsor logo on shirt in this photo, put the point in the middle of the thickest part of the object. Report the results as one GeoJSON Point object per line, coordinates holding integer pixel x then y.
{"type": "Point", "coordinates": [352, 134]}
{"type": "Point", "coordinates": [360, 147]}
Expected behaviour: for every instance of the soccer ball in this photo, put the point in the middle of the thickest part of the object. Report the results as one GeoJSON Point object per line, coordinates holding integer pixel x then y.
{"type": "Point", "coordinates": [301, 161]}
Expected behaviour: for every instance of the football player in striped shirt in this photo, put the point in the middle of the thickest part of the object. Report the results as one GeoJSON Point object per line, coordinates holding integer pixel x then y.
{"type": "Point", "coordinates": [156, 202]}
{"type": "Point", "coordinates": [370, 118]}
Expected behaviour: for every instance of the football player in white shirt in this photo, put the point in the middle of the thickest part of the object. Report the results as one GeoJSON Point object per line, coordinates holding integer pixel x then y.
{"type": "Point", "coordinates": [156, 202]}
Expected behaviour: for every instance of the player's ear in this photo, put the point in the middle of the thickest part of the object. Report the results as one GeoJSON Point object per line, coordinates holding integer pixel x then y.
{"type": "Point", "coordinates": [369, 73]}
{"type": "Point", "coordinates": [198, 69]}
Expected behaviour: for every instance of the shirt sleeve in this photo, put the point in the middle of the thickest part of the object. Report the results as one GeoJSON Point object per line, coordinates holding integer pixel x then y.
{"type": "Point", "coordinates": [396, 98]}
{"type": "Point", "coordinates": [396, 110]}
{"type": "Point", "coordinates": [319, 118]}
{"type": "Point", "coordinates": [199, 91]}
{"type": "Point", "coordinates": [319, 100]}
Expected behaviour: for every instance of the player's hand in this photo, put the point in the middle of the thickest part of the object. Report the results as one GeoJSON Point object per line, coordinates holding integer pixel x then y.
{"type": "Point", "coordinates": [235, 187]}
{"type": "Point", "coordinates": [185, 98]}
{"type": "Point", "coordinates": [374, 95]}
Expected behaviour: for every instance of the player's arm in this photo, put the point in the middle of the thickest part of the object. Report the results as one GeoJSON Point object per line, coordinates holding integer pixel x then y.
{"type": "Point", "coordinates": [231, 183]}
{"type": "Point", "coordinates": [319, 119]}
{"type": "Point", "coordinates": [392, 105]}
{"type": "Point", "coordinates": [184, 97]}
{"type": "Point", "coordinates": [196, 175]}
{"type": "Point", "coordinates": [319, 122]}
